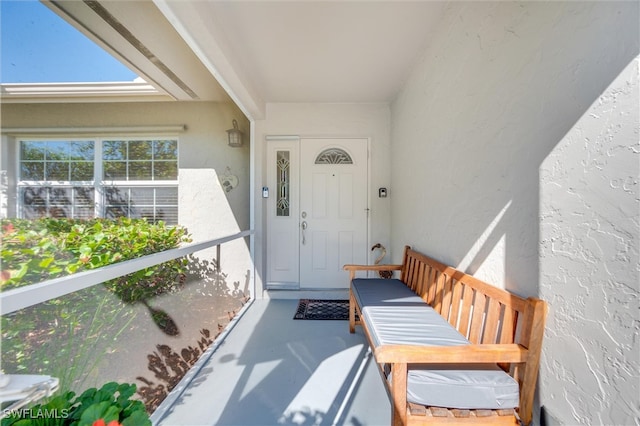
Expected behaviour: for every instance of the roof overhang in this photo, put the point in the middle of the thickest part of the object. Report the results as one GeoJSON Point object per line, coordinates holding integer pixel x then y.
{"type": "Point", "coordinates": [81, 92]}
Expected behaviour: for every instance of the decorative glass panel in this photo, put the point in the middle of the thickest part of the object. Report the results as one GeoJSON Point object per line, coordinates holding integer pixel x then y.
{"type": "Point", "coordinates": [334, 156]}
{"type": "Point", "coordinates": [283, 168]}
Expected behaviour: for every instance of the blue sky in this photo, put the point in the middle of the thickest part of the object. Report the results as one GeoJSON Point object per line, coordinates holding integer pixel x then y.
{"type": "Point", "coordinates": [37, 46]}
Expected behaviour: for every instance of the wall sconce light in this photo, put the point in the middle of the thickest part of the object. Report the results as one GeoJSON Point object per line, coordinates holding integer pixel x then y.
{"type": "Point", "coordinates": [235, 135]}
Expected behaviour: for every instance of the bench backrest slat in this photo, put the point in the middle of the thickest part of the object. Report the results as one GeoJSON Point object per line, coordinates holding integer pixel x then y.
{"type": "Point", "coordinates": [494, 312]}
{"type": "Point", "coordinates": [454, 312]}
{"type": "Point", "coordinates": [507, 328]}
{"type": "Point", "coordinates": [445, 311]}
{"type": "Point", "coordinates": [430, 289]}
{"type": "Point", "coordinates": [409, 275]}
{"type": "Point", "coordinates": [477, 318]}
{"type": "Point", "coordinates": [421, 268]}
{"type": "Point", "coordinates": [465, 315]}
{"type": "Point", "coordinates": [440, 290]}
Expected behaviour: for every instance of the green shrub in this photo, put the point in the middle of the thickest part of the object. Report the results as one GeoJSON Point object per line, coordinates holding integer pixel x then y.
{"type": "Point", "coordinates": [38, 250]}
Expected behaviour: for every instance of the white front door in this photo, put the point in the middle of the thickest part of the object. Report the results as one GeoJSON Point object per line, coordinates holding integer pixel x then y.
{"type": "Point", "coordinates": [318, 213]}
{"type": "Point", "coordinates": [333, 210]}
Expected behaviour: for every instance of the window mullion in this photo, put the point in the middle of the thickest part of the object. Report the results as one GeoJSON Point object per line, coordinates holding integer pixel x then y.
{"type": "Point", "coordinates": [98, 186]}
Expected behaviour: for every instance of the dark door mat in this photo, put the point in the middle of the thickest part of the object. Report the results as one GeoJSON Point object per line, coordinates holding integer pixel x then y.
{"type": "Point", "coordinates": [322, 309]}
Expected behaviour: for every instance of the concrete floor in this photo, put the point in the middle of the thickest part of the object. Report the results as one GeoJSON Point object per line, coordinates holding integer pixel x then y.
{"type": "Point", "coordinates": [273, 370]}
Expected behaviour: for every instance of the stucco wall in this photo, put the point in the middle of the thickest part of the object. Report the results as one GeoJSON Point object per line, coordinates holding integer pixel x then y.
{"type": "Point", "coordinates": [589, 247]}
{"type": "Point", "coordinates": [330, 120]}
{"type": "Point", "coordinates": [492, 159]}
{"type": "Point", "coordinates": [204, 208]}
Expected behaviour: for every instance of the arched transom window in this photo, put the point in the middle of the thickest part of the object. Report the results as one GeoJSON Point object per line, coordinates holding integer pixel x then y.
{"type": "Point", "coordinates": [334, 156]}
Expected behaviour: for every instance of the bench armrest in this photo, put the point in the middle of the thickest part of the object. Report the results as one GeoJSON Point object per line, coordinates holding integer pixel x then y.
{"type": "Point", "coordinates": [485, 353]}
{"type": "Point", "coordinates": [353, 268]}
{"type": "Point", "coordinates": [372, 267]}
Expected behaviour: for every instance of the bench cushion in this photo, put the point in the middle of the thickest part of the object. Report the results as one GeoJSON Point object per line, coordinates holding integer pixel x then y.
{"type": "Point", "coordinates": [463, 386]}
{"type": "Point", "coordinates": [410, 325]}
{"type": "Point", "coordinates": [394, 317]}
{"type": "Point", "coordinates": [379, 291]}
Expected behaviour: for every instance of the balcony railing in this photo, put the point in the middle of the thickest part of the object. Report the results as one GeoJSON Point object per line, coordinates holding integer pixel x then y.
{"type": "Point", "coordinates": [86, 334]}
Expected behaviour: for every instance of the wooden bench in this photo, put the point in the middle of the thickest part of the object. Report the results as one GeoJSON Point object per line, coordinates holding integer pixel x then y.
{"type": "Point", "coordinates": [502, 329]}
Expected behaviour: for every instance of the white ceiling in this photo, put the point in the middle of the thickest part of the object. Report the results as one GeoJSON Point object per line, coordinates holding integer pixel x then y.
{"type": "Point", "coordinates": [264, 51]}
{"type": "Point", "coordinates": [326, 51]}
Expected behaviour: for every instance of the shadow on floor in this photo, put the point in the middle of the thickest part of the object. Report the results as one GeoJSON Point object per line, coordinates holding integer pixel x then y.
{"type": "Point", "coordinates": [273, 370]}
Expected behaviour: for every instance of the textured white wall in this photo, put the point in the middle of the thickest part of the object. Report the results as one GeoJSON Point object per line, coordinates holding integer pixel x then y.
{"type": "Point", "coordinates": [589, 266]}
{"type": "Point", "coordinates": [481, 177]}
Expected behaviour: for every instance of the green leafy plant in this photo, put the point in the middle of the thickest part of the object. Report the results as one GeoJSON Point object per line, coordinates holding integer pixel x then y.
{"type": "Point", "coordinates": [37, 250]}
{"type": "Point", "coordinates": [112, 402]}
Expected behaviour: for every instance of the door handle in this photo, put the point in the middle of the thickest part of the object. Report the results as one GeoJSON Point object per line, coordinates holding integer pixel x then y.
{"type": "Point", "coordinates": [304, 226]}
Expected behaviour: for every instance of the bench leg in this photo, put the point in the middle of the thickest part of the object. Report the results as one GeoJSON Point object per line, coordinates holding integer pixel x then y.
{"type": "Point", "coordinates": [399, 394]}
{"type": "Point", "coordinates": [352, 313]}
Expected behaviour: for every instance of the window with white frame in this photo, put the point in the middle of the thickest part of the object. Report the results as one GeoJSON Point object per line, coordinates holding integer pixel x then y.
{"type": "Point", "coordinates": [99, 177]}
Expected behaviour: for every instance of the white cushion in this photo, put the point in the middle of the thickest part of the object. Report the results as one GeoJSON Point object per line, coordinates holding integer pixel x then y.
{"type": "Point", "coordinates": [380, 291]}
{"type": "Point", "coordinates": [410, 325]}
{"type": "Point", "coordinates": [464, 386]}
